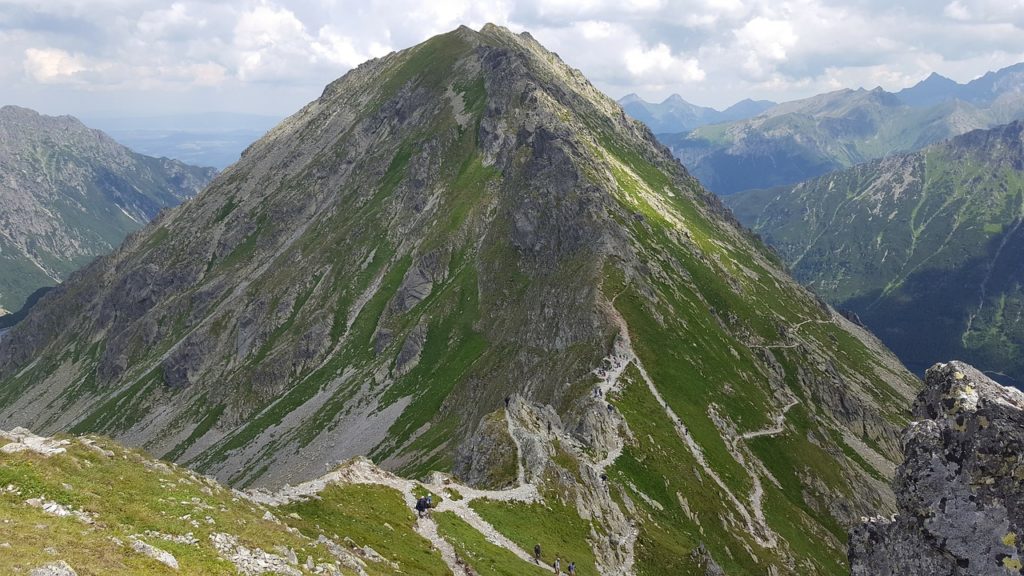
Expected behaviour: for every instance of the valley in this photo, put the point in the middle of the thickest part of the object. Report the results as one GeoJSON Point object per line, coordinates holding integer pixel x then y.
{"type": "Point", "coordinates": [919, 240]}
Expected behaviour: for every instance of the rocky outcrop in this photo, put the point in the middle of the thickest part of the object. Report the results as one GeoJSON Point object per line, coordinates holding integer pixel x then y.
{"type": "Point", "coordinates": [56, 569]}
{"type": "Point", "coordinates": [960, 490]}
{"type": "Point", "coordinates": [22, 440]}
{"type": "Point", "coordinates": [490, 458]}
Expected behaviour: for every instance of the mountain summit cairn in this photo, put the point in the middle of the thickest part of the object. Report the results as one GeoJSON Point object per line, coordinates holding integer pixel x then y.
{"type": "Point", "coordinates": [960, 490]}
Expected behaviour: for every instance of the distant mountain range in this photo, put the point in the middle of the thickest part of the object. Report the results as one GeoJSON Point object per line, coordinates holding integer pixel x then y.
{"type": "Point", "coordinates": [69, 193]}
{"type": "Point", "coordinates": [210, 139]}
{"type": "Point", "coordinates": [992, 89]}
{"type": "Point", "coordinates": [797, 140]}
{"type": "Point", "coordinates": [926, 248]}
{"type": "Point", "coordinates": [677, 115]}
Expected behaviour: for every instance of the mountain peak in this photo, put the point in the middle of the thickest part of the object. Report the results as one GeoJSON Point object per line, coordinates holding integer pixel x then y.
{"type": "Point", "coordinates": [71, 193]}
{"type": "Point", "coordinates": [464, 257]}
{"type": "Point", "coordinates": [676, 100]}
{"type": "Point", "coordinates": [932, 90]}
{"type": "Point", "coordinates": [935, 77]}
{"type": "Point", "coordinates": [13, 113]}
{"type": "Point", "coordinates": [631, 98]}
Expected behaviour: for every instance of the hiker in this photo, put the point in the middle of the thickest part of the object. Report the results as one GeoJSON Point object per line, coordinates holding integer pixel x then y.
{"type": "Point", "coordinates": [572, 569]}
{"type": "Point", "coordinates": [430, 501]}
{"type": "Point", "coordinates": [558, 565]}
{"type": "Point", "coordinates": [507, 400]}
{"type": "Point", "coordinates": [536, 553]}
{"type": "Point", "coordinates": [611, 408]}
{"type": "Point", "coordinates": [421, 506]}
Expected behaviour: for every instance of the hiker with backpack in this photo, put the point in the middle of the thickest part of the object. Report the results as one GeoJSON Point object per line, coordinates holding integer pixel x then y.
{"type": "Point", "coordinates": [536, 553]}
{"type": "Point", "coordinates": [421, 506]}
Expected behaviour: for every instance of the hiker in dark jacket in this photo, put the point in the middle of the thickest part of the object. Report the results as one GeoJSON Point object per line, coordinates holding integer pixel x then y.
{"type": "Point", "coordinates": [421, 506]}
{"type": "Point", "coordinates": [536, 553]}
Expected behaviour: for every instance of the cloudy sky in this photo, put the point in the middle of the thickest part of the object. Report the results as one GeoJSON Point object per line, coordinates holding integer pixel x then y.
{"type": "Point", "coordinates": [148, 57]}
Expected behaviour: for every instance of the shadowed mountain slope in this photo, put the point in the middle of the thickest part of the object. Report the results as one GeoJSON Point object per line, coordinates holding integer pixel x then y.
{"type": "Point", "coordinates": [926, 248]}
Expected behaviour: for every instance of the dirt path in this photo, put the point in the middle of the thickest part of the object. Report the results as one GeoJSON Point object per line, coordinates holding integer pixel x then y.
{"type": "Point", "coordinates": [520, 470]}
{"type": "Point", "coordinates": [362, 471]}
{"type": "Point", "coordinates": [775, 429]}
{"type": "Point", "coordinates": [757, 526]}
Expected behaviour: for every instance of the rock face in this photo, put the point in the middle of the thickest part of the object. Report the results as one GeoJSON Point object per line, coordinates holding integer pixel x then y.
{"type": "Point", "coordinates": [448, 226]}
{"type": "Point", "coordinates": [960, 489]}
{"type": "Point", "coordinates": [69, 194]}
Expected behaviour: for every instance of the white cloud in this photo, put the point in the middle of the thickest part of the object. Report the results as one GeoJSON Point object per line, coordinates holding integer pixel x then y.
{"type": "Point", "coordinates": [660, 65]}
{"type": "Point", "coordinates": [275, 55]}
{"type": "Point", "coordinates": [51, 65]}
{"type": "Point", "coordinates": [957, 11]}
{"type": "Point", "coordinates": [765, 41]}
{"type": "Point", "coordinates": [177, 19]}
{"type": "Point", "coordinates": [596, 29]}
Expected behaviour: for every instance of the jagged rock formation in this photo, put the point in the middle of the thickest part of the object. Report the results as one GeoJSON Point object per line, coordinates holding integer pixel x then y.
{"type": "Point", "coordinates": [960, 489]}
{"type": "Point", "coordinates": [69, 194]}
{"type": "Point", "coordinates": [802, 139]}
{"type": "Point", "coordinates": [926, 248]}
{"type": "Point", "coordinates": [455, 224]}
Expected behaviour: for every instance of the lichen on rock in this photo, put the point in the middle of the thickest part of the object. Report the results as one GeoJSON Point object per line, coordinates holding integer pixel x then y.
{"type": "Point", "coordinates": [960, 489]}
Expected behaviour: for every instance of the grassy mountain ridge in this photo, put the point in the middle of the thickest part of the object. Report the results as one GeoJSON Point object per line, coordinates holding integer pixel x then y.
{"type": "Point", "coordinates": [69, 194]}
{"type": "Point", "coordinates": [928, 240]}
{"type": "Point", "coordinates": [802, 139]}
{"type": "Point", "coordinates": [450, 226]}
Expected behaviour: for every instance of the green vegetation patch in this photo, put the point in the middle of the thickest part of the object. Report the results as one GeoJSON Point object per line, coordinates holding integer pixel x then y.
{"type": "Point", "coordinates": [485, 558]}
{"type": "Point", "coordinates": [369, 515]}
{"type": "Point", "coordinates": [126, 494]}
{"type": "Point", "coordinates": [555, 526]}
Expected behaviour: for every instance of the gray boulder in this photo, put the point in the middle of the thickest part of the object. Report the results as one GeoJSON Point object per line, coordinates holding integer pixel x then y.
{"type": "Point", "coordinates": [960, 488]}
{"type": "Point", "coordinates": [60, 568]}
